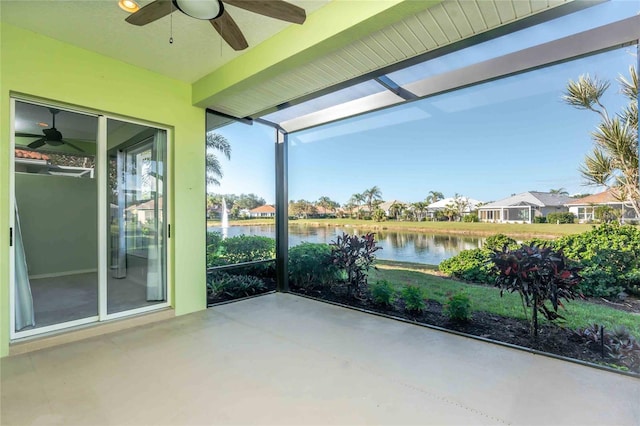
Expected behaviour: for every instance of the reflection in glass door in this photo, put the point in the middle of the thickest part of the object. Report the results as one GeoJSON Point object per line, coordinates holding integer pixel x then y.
{"type": "Point", "coordinates": [136, 225]}
{"type": "Point", "coordinates": [55, 268]}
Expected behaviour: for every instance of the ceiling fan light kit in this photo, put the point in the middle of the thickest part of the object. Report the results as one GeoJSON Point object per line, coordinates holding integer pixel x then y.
{"type": "Point", "coordinates": [200, 9]}
{"type": "Point", "coordinates": [129, 6]}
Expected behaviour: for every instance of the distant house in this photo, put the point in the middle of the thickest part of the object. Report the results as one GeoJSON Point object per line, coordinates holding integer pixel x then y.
{"type": "Point", "coordinates": [263, 211]}
{"type": "Point", "coordinates": [522, 208]}
{"type": "Point", "coordinates": [584, 208]}
{"type": "Point", "coordinates": [386, 206]}
{"type": "Point", "coordinates": [28, 161]}
{"type": "Point", "coordinates": [471, 205]}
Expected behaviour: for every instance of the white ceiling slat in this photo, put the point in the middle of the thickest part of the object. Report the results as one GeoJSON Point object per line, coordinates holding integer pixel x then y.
{"type": "Point", "coordinates": [474, 16]}
{"type": "Point", "coordinates": [458, 17]}
{"type": "Point", "coordinates": [538, 5]}
{"type": "Point", "coordinates": [391, 52]}
{"type": "Point", "coordinates": [401, 44]}
{"type": "Point", "coordinates": [522, 8]}
{"type": "Point", "coordinates": [443, 19]}
{"type": "Point", "coordinates": [489, 13]}
{"type": "Point", "coordinates": [506, 11]}
{"type": "Point", "coordinates": [433, 28]}
{"type": "Point", "coordinates": [416, 26]}
{"type": "Point", "coordinates": [360, 61]}
{"type": "Point", "coordinates": [411, 38]}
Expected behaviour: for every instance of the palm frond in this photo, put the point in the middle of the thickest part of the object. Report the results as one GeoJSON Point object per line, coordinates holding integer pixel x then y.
{"type": "Point", "coordinates": [629, 88]}
{"type": "Point", "coordinates": [597, 168]}
{"type": "Point", "coordinates": [585, 93]}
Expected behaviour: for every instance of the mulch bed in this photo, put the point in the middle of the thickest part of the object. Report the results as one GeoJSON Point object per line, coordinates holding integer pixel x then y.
{"type": "Point", "coordinates": [552, 339]}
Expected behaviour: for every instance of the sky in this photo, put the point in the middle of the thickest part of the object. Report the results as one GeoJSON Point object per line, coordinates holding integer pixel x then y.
{"type": "Point", "coordinates": [485, 142]}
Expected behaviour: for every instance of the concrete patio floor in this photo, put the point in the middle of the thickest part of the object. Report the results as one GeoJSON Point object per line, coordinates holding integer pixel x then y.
{"type": "Point", "coordinates": [282, 359]}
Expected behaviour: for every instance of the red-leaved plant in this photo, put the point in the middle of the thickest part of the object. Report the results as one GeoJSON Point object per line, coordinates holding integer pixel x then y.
{"type": "Point", "coordinates": [539, 275]}
{"type": "Point", "coordinates": [354, 255]}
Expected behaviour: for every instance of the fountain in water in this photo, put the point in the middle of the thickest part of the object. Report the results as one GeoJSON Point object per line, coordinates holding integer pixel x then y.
{"type": "Point", "coordinates": [224, 218]}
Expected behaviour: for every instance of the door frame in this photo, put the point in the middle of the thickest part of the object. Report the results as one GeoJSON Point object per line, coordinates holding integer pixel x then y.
{"type": "Point", "coordinates": [101, 182]}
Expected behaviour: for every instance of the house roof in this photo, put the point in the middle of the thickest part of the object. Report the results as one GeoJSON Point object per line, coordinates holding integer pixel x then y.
{"type": "Point", "coordinates": [31, 155]}
{"type": "Point", "coordinates": [387, 204]}
{"type": "Point", "coordinates": [531, 198]}
{"type": "Point", "coordinates": [473, 204]}
{"type": "Point", "coordinates": [605, 197]}
{"type": "Point", "coordinates": [264, 209]}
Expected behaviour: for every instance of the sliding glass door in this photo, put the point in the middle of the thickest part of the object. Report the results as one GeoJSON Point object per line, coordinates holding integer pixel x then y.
{"type": "Point", "coordinates": [90, 218]}
{"type": "Point", "coordinates": [136, 228]}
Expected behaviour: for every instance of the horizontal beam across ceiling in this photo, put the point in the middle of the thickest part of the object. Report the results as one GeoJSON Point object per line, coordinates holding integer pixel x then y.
{"type": "Point", "coordinates": [331, 27]}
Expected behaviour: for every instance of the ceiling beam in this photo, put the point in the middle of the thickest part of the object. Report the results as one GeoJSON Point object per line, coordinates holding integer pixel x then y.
{"type": "Point", "coordinates": [329, 28]}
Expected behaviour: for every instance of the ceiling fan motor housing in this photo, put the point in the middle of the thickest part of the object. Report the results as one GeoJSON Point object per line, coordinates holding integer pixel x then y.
{"type": "Point", "coordinates": [200, 9]}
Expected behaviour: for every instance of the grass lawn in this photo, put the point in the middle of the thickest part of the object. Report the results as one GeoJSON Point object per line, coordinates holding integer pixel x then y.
{"type": "Point", "coordinates": [542, 230]}
{"type": "Point", "coordinates": [578, 313]}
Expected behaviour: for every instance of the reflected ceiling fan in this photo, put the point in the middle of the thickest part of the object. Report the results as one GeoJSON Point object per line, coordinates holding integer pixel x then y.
{"type": "Point", "coordinates": [214, 12]}
{"type": "Point", "coordinates": [52, 136]}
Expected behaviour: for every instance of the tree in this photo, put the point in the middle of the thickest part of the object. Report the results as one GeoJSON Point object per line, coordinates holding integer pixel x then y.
{"type": "Point", "coordinates": [356, 200]}
{"type": "Point", "coordinates": [327, 204]}
{"type": "Point", "coordinates": [613, 163]}
{"type": "Point", "coordinates": [370, 196]}
{"type": "Point", "coordinates": [215, 142]}
{"type": "Point", "coordinates": [559, 191]}
{"type": "Point", "coordinates": [396, 209]}
{"type": "Point", "coordinates": [434, 196]}
{"type": "Point", "coordinates": [420, 208]}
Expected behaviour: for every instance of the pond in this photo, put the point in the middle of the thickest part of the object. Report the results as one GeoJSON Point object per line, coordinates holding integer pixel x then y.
{"type": "Point", "coordinates": [418, 247]}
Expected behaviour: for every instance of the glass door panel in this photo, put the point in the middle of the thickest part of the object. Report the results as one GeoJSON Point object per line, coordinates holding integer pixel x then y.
{"type": "Point", "coordinates": [56, 219]}
{"type": "Point", "coordinates": [136, 219]}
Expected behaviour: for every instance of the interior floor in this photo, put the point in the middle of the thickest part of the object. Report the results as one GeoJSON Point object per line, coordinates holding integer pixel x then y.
{"type": "Point", "coordinates": [285, 360]}
{"type": "Point", "coordinates": [73, 297]}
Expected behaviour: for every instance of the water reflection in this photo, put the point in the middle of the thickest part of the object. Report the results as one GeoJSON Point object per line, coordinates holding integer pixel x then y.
{"type": "Point", "coordinates": [402, 246]}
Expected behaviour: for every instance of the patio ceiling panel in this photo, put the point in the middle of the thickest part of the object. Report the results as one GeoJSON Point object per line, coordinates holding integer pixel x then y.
{"type": "Point", "coordinates": [461, 68]}
{"type": "Point", "coordinates": [440, 25]}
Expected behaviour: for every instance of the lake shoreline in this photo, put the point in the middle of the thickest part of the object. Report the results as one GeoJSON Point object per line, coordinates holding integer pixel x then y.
{"type": "Point", "coordinates": [517, 231]}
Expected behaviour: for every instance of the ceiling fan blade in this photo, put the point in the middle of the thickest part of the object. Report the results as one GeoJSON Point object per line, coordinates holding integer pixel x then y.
{"type": "Point", "coordinates": [37, 144]}
{"type": "Point", "coordinates": [72, 146]}
{"type": "Point", "coordinates": [229, 31]}
{"type": "Point", "coordinates": [277, 9]}
{"type": "Point", "coordinates": [151, 12]}
{"type": "Point", "coordinates": [27, 135]}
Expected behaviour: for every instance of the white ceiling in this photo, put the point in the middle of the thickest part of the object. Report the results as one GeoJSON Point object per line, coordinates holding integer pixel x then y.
{"type": "Point", "coordinates": [99, 26]}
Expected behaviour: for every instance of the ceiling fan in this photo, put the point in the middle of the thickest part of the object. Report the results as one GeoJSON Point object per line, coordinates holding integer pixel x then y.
{"type": "Point", "coordinates": [214, 12]}
{"type": "Point", "coordinates": [52, 136]}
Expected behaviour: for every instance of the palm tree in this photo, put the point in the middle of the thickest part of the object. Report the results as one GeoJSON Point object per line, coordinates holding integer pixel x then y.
{"type": "Point", "coordinates": [434, 196]}
{"type": "Point", "coordinates": [357, 200]}
{"type": "Point", "coordinates": [420, 207]}
{"type": "Point", "coordinates": [613, 163]}
{"type": "Point", "coordinates": [397, 208]}
{"type": "Point", "coordinates": [370, 195]}
{"type": "Point", "coordinates": [215, 142]}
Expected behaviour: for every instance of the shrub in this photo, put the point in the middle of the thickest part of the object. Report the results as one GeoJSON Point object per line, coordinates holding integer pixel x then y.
{"type": "Point", "coordinates": [382, 293]}
{"type": "Point", "coordinates": [499, 242]}
{"type": "Point", "coordinates": [472, 217]}
{"type": "Point", "coordinates": [246, 248]}
{"type": "Point", "coordinates": [311, 265]}
{"type": "Point", "coordinates": [413, 298]}
{"type": "Point", "coordinates": [379, 215]}
{"type": "Point", "coordinates": [539, 275]}
{"type": "Point", "coordinates": [470, 265]}
{"type": "Point", "coordinates": [354, 255]}
{"type": "Point", "coordinates": [609, 254]}
{"type": "Point", "coordinates": [458, 307]}
{"type": "Point", "coordinates": [214, 249]}
{"type": "Point", "coordinates": [539, 219]}
{"type": "Point", "coordinates": [618, 344]}
{"type": "Point", "coordinates": [222, 284]}
{"type": "Point", "coordinates": [561, 217]}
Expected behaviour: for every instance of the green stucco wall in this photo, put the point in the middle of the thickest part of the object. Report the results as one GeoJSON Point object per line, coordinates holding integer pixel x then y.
{"type": "Point", "coordinates": [38, 66]}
